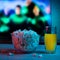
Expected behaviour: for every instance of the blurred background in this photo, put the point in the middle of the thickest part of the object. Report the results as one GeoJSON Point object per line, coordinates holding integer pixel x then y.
{"type": "Point", "coordinates": [7, 8]}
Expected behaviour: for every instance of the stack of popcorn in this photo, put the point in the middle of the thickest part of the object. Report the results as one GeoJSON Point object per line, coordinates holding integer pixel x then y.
{"type": "Point", "coordinates": [25, 40]}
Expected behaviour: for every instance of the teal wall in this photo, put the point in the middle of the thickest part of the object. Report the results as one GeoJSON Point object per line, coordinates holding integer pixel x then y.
{"type": "Point", "coordinates": [55, 14]}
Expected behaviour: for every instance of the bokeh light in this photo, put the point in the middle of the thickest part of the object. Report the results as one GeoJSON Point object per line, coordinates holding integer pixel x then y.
{"type": "Point", "coordinates": [5, 20]}
{"type": "Point", "coordinates": [29, 19]}
{"type": "Point", "coordinates": [47, 9]}
{"type": "Point", "coordinates": [33, 21]}
{"type": "Point", "coordinates": [24, 10]}
{"type": "Point", "coordinates": [4, 28]}
{"type": "Point", "coordinates": [17, 20]}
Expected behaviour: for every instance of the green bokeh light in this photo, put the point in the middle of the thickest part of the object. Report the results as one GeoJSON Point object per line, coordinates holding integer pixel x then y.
{"type": "Point", "coordinates": [24, 10]}
{"type": "Point", "coordinates": [4, 28]}
{"type": "Point", "coordinates": [17, 20]}
{"type": "Point", "coordinates": [45, 18]}
{"type": "Point", "coordinates": [33, 21]}
{"type": "Point", "coordinates": [29, 19]}
{"type": "Point", "coordinates": [5, 20]}
{"type": "Point", "coordinates": [42, 18]}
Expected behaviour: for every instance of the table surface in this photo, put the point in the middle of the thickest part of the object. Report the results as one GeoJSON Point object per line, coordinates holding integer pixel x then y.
{"type": "Point", "coordinates": [40, 51]}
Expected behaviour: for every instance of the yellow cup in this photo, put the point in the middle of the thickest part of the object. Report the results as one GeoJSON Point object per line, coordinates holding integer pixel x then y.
{"type": "Point", "coordinates": [50, 42]}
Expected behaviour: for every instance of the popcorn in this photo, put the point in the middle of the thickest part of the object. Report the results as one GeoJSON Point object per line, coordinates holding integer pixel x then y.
{"type": "Point", "coordinates": [27, 40]}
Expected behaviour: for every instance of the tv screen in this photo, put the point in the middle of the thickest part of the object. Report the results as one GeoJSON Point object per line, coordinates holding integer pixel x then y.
{"type": "Point", "coordinates": [23, 14]}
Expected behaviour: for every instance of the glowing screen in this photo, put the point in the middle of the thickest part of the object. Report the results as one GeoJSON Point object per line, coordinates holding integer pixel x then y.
{"type": "Point", "coordinates": [24, 14]}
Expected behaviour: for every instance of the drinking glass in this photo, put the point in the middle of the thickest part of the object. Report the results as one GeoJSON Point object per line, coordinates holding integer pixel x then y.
{"type": "Point", "coordinates": [50, 39]}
